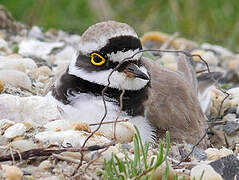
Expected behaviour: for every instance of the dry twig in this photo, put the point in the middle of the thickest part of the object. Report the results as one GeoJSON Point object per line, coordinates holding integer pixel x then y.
{"type": "Point", "coordinates": [108, 122]}
{"type": "Point", "coordinates": [46, 152]}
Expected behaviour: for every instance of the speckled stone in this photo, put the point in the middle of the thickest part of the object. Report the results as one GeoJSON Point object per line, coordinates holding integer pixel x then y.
{"type": "Point", "coordinates": [227, 167]}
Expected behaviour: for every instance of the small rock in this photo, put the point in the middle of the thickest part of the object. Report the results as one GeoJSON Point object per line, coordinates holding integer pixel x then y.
{"type": "Point", "coordinates": [3, 141]}
{"type": "Point", "coordinates": [214, 154]}
{"type": "Point", "coordinates": [10, 89]}
{"type": "Point", "coordinates": [23, 145]}
{"type": "Point", "coordinates": [5, 124]}
{"type": "Point", "coordinates": [36, 48]}
{"type": "Point", "coordinates": [199, 154]}
{"type": "Point", "coordinates": [12, 172]}
{"type": "Point", "coordinates": [234, 92]}
{"type": "Point", "coordinates": [218, 49]}
{"type": "Point", "coordinates": [70, 137]}
{"type": "Point", "coordinates": [208, 173]}
{"type": "Point", "coordinates": [107, 155]}
{"type": "Point", "coordinates": [234, 65]}
{"type": "Point", "coordinates": [45, 165]}
{"type": "Point", "coordinates": [59, 125]}
{"type": "Point", "coordinates": [36, 33]}
{"type": "Point", "coordinates": [233, 111]}
{"type": "Point", "coordinates": [227, 167]}
{"type": "Point", "coordinates": [231, 127]}
{"type": "Point", "coordinates": [36, 110]}
{"type": "Point", "coordinates": [232, 140]}
{"type": "Point", "coordinates": [25, 65]}
{"type": "Point", "coordinates": [42, 74]}
{"type": "Point", "coordinates": [17, 129]}
{"type": "Point", "coordinates": [124, 132]}
{"type": "Point", "coordinates": [158, 174]}
{"type": "Point", "coordinates": [28, 125]}
{"type": "Point", "coordinates": [218, 138]}
{"type": "Point", "coordinates": [4, 45]}
{"type": "Point", "coordinates": [154, 40]}
{"type": "Point", "coordinates": [208, 56]}
{"type": "Point", "coordinates": [15, 78]}
{"type": "Point", "coordinates": [169, 60]}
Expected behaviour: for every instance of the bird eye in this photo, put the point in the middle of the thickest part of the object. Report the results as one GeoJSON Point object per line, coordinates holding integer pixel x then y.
{"type": "Point", "coordinates": [97, 59]}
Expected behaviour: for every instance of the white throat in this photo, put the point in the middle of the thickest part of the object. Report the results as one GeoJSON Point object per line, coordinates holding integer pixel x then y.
{"type": "Point", "coordinates": [117, 79]}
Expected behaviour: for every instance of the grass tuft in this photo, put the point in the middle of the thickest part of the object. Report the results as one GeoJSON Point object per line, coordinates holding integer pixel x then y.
{"type": "Point", "coordinates": [137, 167]}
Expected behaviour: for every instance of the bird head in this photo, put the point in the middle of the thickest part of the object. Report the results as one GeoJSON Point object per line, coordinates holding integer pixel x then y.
{"type": "Point", "coordinates": [102, 47]}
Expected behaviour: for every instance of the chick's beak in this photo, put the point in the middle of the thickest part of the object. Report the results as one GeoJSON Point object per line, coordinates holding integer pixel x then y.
{"type": "Point", "coordinates": [133, 71]}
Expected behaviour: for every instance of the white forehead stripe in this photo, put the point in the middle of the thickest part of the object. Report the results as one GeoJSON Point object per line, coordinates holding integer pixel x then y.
{"type": "Point", "coordinates": [97, 36]}
{"type": "Point", "coordinates": [117, 80]}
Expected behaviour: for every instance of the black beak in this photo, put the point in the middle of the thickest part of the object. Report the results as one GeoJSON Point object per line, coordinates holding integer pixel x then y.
{"type": "Point", "coordinates": [133, 71]}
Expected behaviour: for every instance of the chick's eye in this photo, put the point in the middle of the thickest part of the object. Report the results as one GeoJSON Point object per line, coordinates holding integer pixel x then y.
{"type": "Point", "coordinates": [97, 59]}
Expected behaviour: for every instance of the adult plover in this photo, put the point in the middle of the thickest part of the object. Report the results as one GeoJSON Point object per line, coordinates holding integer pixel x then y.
{"type": "Point", "coordinates": [156, 99]}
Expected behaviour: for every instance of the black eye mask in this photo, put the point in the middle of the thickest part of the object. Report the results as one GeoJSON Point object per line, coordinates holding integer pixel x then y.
{"type": "Point", "coordinates": [114, 45]}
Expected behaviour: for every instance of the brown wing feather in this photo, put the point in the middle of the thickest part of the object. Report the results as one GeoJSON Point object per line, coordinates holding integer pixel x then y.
{"type": "Point", "coordinates": [173, 104]}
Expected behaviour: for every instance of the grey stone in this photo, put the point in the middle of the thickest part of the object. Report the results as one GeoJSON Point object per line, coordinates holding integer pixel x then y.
{"type": "Point", "coordinates": [231, 127]}
{"type": "Point", "coordinates": [227, 167]}
{"type": "Point", "coordinates": [199, 154]}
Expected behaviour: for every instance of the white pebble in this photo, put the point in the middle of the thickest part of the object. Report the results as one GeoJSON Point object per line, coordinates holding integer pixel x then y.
{"type": "Point", "coordinates": [59, 125]}
{"type": "Point", "coordinates": [26, 65]}
{"type": "Point", "coordinates": [23, 145]}
{"type": "Point", "coordinates": [45, 165]}
{"type": "Point", "coordinates": [33, 47]}
{"type": "Point", "coordinates": [70, 137]}
{"type": "Point", "coordinates": [124, 132]}
{"type": "Point", "coordinates": [234, 92]}
{"type": "Point", "coordinates": [36, 33]}
{"type": "Point", "coordinates": [42, 74]}
{"type": "Point", "coordinates": [4, 122]}
{"type": "Point", "coordinates": [168, 58]}
{"type": "Point", "coordinates": [12, 172]}
{"type": "Point", "coordinates": [15, 130]}
{"type": "Point", "coordinates": [36, 110]}
{"type": "Point", "coordinates": [209, 173]}
{"type": "Point", "coordinates": [3, 45]}
{"type": "Point", "coordinates": [219, 49]}
{"type": "Point", "coordinates": [107, 155]}
{"type": "Point", "coordinates": [160, 172]}
{"type": "Point", "coordinates": [208, 56]}
{"type": "Point", "coordinates": [15, 78]}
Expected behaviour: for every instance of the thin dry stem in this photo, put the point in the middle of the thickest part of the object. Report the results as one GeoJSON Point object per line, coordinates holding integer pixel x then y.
{"type": "Point", "coordinates": [108, 122]}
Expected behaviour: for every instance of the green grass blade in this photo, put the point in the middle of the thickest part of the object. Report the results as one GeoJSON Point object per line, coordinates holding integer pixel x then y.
{"type": "Point", "coordinates": [175, 177]}
{"type": "Point", "coordinates": [142, 148]}
{"type": "Point", "coordinates": [165, 177]}
{"type": "Point", "coordinates": [201, 175]}
{"type": "Point", "coordinates": [121, 165]}
{"type": "Point", "coordinates": [167, 145]}
{"type": "Point", "coordinates": [160, 155]}
{"type": "Point", "coordinates": [136, 151]}
{"type": "Point", "coordinates": [152, 162]}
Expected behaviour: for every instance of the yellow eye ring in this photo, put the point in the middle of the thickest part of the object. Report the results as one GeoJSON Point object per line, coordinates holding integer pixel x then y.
{"type": "Point", "coordinates": [93, 59]}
